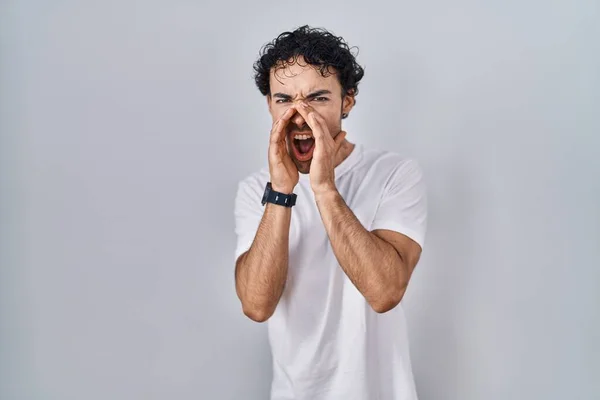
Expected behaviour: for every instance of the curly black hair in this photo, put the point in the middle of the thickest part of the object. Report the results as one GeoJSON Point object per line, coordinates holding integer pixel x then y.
{"type": "Point", "coordinates": [319, 47]}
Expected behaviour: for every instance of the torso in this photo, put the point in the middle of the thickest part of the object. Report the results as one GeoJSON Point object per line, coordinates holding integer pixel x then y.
{"type": "Point", "coordinates": [326, 341]}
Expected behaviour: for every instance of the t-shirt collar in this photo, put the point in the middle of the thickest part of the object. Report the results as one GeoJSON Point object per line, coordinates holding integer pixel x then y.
{"type": "Point", "coordinates": [353, 158]}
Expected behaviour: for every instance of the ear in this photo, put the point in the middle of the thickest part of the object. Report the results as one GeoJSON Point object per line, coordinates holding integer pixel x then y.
{"type": "Point", "coordinates": [348, 102]}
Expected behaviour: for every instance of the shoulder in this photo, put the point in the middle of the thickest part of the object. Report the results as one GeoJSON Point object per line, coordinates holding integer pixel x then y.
{"type": "Point", "coordinates": [391, 164]}
{"type": "Point", "coordinates": [254, 183]}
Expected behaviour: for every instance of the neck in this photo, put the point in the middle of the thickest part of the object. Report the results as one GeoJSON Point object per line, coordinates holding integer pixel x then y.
{"type": "Point", "coordinates": [345, 149]}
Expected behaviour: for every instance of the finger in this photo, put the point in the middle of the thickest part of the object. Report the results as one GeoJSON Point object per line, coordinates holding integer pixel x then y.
{"type": "Point", "coordinates": [308, 114]}
{"type": "Point", "coordinates": [314, 121]}
{"type": "Point", "coordinates": [339, 140]}
{"type": "Point", "coordinates": [303, 111]}
{"type": "Point", "coordinates": [278, 131]}
{"type": "Point", "coordinates": [286, 117]}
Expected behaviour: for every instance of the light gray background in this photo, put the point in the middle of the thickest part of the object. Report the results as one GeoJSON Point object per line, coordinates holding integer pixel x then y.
{"type": "Point", "coordinates": [126, 126]}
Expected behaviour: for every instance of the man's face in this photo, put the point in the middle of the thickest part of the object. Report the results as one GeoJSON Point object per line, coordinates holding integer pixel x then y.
{"type": "Point", "coordinates": [300, 82]}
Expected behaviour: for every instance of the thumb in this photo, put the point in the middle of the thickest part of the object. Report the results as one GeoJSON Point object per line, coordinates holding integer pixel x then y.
{"type": "Point", "coordinates": [339, 139]}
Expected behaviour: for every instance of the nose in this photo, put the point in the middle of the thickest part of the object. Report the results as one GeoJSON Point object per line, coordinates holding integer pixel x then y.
{"type": "Point", "coordinates": [298, 120]}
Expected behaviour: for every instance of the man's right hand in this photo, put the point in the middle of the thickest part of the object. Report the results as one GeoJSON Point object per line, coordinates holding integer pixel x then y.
{"type": "Point", "coordinates": [261, 272]}
{"type": "Point", "coordinates": [284, 173]}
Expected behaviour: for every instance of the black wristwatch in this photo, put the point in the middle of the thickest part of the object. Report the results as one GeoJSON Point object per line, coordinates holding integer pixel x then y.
{"type": "Point", "coordinates": [282, 199]}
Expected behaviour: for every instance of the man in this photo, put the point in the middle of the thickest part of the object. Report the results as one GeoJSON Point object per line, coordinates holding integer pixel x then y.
{"type": "Point", "coordinates": [327, 255]}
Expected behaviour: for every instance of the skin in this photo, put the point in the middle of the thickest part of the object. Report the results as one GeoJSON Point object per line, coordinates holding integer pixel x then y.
{"type": "Point", "coordinates": [379, 263]}
{"type": "Point", "coordinates": [292, 85]}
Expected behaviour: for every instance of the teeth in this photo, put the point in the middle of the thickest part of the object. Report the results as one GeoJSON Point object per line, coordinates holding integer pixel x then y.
{"type": "Point", "coordinates": [302, 137]}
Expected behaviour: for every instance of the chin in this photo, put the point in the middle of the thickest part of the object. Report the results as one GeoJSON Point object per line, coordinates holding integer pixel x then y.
{"type": "Point", "coordinates": [303, 166]}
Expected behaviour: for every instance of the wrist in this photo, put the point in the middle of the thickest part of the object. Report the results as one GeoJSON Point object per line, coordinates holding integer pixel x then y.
{"type": "Point", "coordinates": [285, 189]}
{"type": "Point", "coordinates": [276, 196]}
{"type": "Point", "coordinates": [326, 194]}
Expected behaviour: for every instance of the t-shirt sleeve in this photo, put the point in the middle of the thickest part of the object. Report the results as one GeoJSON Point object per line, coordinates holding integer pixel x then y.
{"type": "Point", "coordinates": [403, 206]}
{"type": "Point", "coordinates": [248, 214]}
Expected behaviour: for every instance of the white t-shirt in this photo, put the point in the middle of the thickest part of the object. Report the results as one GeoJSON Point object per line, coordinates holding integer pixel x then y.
{"type": "Point", "coordinates": [327, 343]}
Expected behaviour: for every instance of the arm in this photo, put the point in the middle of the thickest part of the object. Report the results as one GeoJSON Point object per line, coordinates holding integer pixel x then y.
{"type": "Point", "coordinates": [260, 273]}
{"type": "Point", "coordinates": [378, 263]}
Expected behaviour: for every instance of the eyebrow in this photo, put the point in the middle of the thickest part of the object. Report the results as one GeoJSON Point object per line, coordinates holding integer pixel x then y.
{"type": "Point", "coordinates": [318, 93]}
{"type": "Point", "coordinates": [310, 96]}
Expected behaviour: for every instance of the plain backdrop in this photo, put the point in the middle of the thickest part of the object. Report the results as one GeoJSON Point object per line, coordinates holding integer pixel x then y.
{"type": "Point", "coordinates": [126, 125]}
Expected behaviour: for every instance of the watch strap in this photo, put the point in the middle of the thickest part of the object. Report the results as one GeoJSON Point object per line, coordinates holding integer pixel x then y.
{"type": "Point", "coordinates": [282, 199]}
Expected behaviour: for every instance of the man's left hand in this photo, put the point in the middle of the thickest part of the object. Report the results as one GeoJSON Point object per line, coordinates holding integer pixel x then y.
{"type": "Point", "coordinates": [322, 175]}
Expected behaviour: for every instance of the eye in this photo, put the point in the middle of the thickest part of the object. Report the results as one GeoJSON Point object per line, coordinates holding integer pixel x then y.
{"type": "Point", "coordinates": [279, 101]}
{"type": "Point", "coordinates": [321, 98]}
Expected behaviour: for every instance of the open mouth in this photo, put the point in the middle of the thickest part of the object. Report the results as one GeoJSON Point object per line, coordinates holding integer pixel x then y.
{"type": "Point", "coordinates": [303, 146]}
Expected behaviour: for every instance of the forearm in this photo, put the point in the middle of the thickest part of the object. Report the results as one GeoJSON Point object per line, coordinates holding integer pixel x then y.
{"type": "Point", "coordinates": [261, 272]}
{"type": "Point", "coordinates": [372, 264]}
